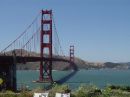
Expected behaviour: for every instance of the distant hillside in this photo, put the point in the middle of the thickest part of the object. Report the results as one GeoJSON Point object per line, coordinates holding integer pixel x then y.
{"type": "Point", "coordinates": [79, 63]}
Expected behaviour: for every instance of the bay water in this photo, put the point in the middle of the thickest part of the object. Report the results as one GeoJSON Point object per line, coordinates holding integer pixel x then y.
{"type": "Point", "coordinates": [74, 79]}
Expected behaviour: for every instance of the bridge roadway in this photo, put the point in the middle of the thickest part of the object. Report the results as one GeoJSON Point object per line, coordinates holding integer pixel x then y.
{"type": "Point", "coordinates": [8, 68]}
{"type": "Point", "coordinates": [24, 59]}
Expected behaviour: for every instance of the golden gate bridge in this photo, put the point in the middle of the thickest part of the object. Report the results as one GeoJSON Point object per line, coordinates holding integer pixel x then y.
{"type": "Point", "coordinates": [39, 38]}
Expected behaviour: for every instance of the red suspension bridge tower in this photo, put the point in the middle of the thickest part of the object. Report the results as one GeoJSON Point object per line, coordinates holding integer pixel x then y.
{"type": "Point", "coordinates": [46, 46]}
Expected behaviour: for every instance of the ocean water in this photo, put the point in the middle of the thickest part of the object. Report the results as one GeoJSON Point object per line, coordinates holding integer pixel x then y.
{"type": "Point", "coordinates": [74, 79]}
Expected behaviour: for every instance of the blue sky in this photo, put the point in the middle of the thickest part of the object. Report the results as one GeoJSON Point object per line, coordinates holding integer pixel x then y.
{"type": "Point", "coordinates": [99, 29]}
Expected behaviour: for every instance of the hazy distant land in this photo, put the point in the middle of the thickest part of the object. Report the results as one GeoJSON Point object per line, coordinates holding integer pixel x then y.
{"type": "Point", "coordinates": [80, 64]}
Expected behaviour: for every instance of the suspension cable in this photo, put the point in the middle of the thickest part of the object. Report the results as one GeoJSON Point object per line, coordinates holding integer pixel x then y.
{"type": "Point", "coordinates": [57, 36]}
{"type": "Point", "coordinates": [35, 19]}
{"type": "Point", "coordinates": [31, 38]}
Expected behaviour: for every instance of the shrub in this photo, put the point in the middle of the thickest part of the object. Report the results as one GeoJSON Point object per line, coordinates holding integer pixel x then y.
{"type": "Point", "coordinates": [25, 94]}
{"type": "Point", "coordinates": [59, 89]}
{"type": "Point", "coordinates": [88, 91]}
{"type": "Point", "coordinates": [116, 87]}
{"type": "Point", "coordinates": [38, 89]}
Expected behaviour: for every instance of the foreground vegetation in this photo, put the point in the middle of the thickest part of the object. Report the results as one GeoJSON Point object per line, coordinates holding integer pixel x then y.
{"type": "Point", "coordinates": [82, 91]}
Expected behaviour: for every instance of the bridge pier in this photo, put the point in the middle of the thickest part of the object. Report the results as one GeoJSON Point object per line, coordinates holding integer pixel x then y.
{"type": "Point", "coordinates": [8, 77]}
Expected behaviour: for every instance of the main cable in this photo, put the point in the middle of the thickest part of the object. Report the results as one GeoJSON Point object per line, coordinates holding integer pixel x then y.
{"type": "Point", "coordinates": [35, 19]}
{"type": "Point", "coordinates": [57, 35]}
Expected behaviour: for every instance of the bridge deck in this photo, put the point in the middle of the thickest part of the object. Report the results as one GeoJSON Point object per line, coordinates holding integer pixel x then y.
{"type": "Point", "coordinates": [24, 59]}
